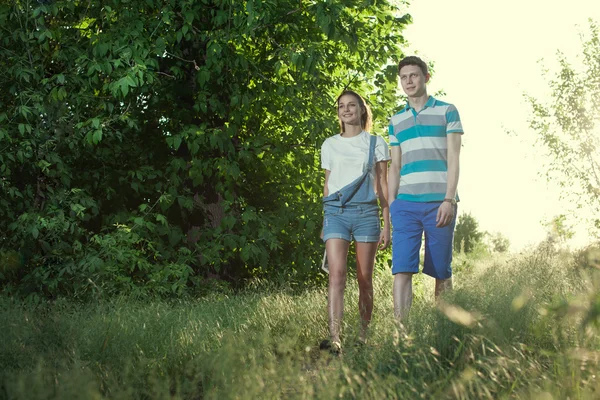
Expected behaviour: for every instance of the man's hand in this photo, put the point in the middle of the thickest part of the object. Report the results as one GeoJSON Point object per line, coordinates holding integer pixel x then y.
{"type": "Point", "coordinates": [384, 238]}
{"type": "Point", "coordinates": [445, 214]}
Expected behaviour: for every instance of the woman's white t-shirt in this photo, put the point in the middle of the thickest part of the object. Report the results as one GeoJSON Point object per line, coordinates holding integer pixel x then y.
{"type": "Point", "coordinates": [345, 158]}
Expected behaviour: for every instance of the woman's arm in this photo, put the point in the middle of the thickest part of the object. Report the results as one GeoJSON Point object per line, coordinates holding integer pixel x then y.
{"type": "Point", "coordinates": [382, 192]}
{"type": "Point", "coordinates": [325, 191]}
{"type": "Point", "coordinates": [394, 173]}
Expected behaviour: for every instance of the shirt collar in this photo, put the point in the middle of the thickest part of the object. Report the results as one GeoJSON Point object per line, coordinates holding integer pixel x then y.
{"type": "Point", "coordinates": [429, 103]}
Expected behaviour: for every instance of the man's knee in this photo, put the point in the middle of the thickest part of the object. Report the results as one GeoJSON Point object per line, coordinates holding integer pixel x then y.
{"type": "Point", "coordinates": [403, 277]}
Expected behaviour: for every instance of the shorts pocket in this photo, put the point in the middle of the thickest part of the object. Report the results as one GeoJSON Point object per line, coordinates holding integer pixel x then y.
{"type": "Point", "coordinates": [331, 210]}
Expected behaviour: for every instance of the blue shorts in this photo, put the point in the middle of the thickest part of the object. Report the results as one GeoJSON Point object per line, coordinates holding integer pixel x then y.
{"type": "Point", "coordinates": [409, 220]}
{"type": "Point", "coordinates": [358, 222]}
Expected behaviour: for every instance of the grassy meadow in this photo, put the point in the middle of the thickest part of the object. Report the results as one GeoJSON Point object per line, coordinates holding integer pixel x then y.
{"type": "Point", "coordinates": [512, 328]}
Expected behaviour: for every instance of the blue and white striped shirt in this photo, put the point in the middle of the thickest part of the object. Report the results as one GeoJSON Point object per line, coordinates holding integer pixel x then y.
{"type": "Point", "coordinates": [422, 138]}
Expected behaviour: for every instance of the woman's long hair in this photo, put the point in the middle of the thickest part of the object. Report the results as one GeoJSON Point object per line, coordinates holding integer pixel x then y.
{"type": "Point", "coordinates": [366, 118]}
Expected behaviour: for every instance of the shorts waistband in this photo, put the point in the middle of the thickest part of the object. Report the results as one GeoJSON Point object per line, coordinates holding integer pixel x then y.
{"type": "Point", "coordinates": [358, 207]}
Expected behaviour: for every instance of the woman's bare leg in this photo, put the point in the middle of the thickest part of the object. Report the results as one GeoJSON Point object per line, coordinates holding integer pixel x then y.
{"type": "Point", "coordinates": [337, 254]}
{"type": "Point", "coordinates": [365, 261]}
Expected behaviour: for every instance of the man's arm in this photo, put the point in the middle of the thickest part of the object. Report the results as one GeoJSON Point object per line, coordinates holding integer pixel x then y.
{"type": "Point", "coordinates": [446, 211]}
{"type": "Point", "coordinates": [454, 142]}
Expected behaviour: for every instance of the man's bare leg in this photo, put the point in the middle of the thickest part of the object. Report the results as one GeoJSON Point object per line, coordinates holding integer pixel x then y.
{"type": "Point", "coordinates": [403, 295]}
{"type": "Point", "coordinates": [441, 285]}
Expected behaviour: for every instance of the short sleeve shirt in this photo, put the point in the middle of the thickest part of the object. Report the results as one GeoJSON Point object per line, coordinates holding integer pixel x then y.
{"type": "Point", "coordinates": [346, 157]}
{"type": "Point", "coordinates": [422, 138]}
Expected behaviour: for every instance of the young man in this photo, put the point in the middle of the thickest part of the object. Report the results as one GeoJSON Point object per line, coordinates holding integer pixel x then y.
{"type": "Point", "coordinates": [425, 140]}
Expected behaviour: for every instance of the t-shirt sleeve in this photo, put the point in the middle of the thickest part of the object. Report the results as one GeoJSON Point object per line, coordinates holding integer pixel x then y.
{"type": "Point", "coordinates": [392, 138]}
{"type": "Point", "coordinates": [453, 124]}
{"type": "Point", "coordinates": [325, 156]}
{"type": "Point", "coordinates": [382, 153]}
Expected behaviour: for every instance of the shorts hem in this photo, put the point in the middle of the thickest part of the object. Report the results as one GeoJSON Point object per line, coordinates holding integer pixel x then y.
{"type": "Point", "coordinates": [436, 276]}
{"type": "Point", "coordinates": [366, 239]}
{"type": "Point", "coordinates": [403, 271]}
{"type": "Point", "coordinates": [336, 236]}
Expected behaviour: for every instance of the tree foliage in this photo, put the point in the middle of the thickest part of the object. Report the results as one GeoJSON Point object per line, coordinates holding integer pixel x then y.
{"type": "Point", "coordinates": [467, 234]}
{"type": "Point", "coordinates": [147, 145]}
{"type": "Point", "coordinates": [558, 232]}
{"type": "Point", "coordinates": [569, 126]}
{"type": "Point", "coordinates": [497, 242]}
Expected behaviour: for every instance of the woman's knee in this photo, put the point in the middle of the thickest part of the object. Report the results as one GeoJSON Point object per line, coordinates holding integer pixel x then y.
{"type": "Point", "coordinates": [337, 278]}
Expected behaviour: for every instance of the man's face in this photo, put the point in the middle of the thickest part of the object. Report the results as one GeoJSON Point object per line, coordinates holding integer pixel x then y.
{"type": "Point", "coordinates": [413, 81]}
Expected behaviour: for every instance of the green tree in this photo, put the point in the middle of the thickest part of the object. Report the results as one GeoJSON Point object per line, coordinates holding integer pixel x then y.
{"type": "Point", "coordinates": [568, 125]}
{"type": "Point", "coordinates": [467, 234]}
{"type": "Point", "coordinates": [146, 146]}
{"type": "Point", "coordinates": [497, 242]}
{"type": "Point", "coordinates": [558, 231]}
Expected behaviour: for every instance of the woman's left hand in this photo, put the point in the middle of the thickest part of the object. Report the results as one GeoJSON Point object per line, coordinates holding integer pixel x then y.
{"type": "Point", "coordinates": [384, 238]}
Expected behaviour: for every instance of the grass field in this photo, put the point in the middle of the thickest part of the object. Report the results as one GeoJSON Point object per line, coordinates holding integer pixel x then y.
{"type": "Point", "coordinates": [512, 328]}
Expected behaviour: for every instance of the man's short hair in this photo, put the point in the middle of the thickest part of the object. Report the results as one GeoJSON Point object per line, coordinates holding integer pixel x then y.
{"type": "Point", "coordinates": [413, 60]}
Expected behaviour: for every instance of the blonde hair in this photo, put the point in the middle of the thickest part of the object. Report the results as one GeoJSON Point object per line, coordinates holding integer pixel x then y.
{"type": "Point", "coordinates": [366, 117]}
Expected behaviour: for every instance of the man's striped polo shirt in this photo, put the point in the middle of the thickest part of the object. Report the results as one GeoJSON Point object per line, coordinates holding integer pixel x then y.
{"type": "Point", "coordinates": [424, 145]}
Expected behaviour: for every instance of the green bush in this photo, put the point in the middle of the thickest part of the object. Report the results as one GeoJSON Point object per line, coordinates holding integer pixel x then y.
{"type": "Point", "coordinates": [151, 146]}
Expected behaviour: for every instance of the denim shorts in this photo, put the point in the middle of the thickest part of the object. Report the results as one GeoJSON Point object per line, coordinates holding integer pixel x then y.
{"type": "Point", "coordinates": [409, 220]}
{"type": "Point", "coordinates": [353, 221]}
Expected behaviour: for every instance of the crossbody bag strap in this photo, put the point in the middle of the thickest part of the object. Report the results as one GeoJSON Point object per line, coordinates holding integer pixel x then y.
{"type": "Point", "coordinates": [372, 145]}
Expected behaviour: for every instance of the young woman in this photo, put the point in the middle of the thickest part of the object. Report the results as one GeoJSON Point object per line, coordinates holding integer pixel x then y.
{"type": "Point", "coordinates": [355, 164]}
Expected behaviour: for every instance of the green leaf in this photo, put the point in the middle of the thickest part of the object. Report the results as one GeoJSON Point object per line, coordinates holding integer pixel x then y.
{"type": "Point", "coordinates": [130, 81]}
{"type": "Point", "coordinates": [161, 218]}
{"type": "Point", "coordinates": [97, 137]}
{"type": "Point", "coordinates": [160, 45]}
{"type": "Point", "coordinates": [245, 254]}
{"type": "Point", "coordinates": [176, 142]}
{"type": "Point", "coordinates": [194, 147]}
{"type": "Point", "coordinates": [124, 87]}
{"type": "Point", "coordinates": [203, 76]}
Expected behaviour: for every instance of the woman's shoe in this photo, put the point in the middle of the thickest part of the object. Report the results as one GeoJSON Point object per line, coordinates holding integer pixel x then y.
{"type": "Point", "coordinates": [334, 347]}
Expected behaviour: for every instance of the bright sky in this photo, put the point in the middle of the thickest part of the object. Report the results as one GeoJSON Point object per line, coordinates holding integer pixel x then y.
{"type": "Point", "coordinates": [486, 56]}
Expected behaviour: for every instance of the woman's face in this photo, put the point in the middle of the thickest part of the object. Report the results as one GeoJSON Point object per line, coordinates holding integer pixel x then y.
{"type": "Point", "coordinates": [349, 110]}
